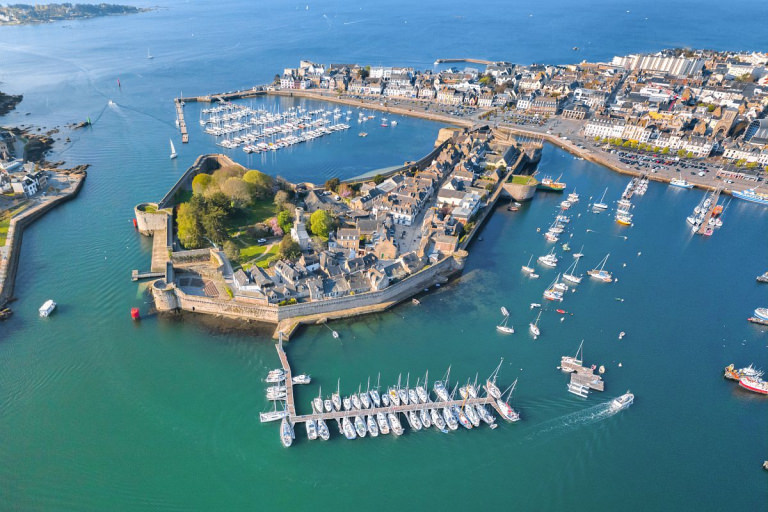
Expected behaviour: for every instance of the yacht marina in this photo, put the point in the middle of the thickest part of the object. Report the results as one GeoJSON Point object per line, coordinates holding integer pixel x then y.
{"type": "Point", "coordinates": [259, 130]}
{"type": "Point", "coordinates": [373, 412]}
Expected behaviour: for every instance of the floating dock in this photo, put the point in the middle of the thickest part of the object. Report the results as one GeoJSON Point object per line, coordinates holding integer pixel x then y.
{"type": "Point", "coordinates": [180, 120]}
{"type": "Point", "coordinates": [293, 418]}
{"type": "Point", "coordinates": [705, 224]}
{"type": "Point", "coordinates": [136, 275]}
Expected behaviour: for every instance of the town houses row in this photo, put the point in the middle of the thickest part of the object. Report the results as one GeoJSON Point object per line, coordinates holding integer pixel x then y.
{"type": "Point", "coordinates": [388, 230]}
{"type": "Point", "coordinates": [706, 103]}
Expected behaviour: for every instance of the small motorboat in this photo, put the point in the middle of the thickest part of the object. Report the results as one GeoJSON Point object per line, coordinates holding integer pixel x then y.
{"type": "Point", "coordinates": [622, 402]}
{"type": "Point", "coordinates": [47, 308]}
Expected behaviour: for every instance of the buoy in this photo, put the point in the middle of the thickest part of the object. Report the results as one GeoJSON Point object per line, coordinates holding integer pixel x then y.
{"type": "Point", "coordinates": [135, 224]}
{"type": "Point", "coordinates": [562, 319]}
{"type": "Point", "coordinates": [619, 365]}
{"type": "Point", "coordinates": [601, 369]}
{"type": "Point", "coordinates": [135, 314]}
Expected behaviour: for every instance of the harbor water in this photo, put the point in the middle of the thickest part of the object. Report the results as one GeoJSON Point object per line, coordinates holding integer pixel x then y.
{"type": "Point", "coordinates": [102, 413]}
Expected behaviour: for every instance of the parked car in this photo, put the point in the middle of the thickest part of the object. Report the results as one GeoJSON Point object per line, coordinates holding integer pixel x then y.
{"type": "Point", "coordinates": [261, 241]}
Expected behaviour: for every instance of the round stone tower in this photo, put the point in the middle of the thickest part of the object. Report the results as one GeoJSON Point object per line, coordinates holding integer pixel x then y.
{"type": "Point", "coordinates": [165, 296]}
{"type": "Point", "coordinates": [149, 219]}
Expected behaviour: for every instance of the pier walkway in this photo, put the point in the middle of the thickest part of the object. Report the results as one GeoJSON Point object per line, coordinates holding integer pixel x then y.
{"type": "Point", "coordinates": [180, 120]}
{"type": "Point", "coordinates": [705, 225]}
{"type": "Point", "coordinates": [338, 415]}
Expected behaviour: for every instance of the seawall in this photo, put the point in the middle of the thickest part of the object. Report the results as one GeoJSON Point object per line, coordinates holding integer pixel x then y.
{"type": "Point", "coordinates": [9, 266]}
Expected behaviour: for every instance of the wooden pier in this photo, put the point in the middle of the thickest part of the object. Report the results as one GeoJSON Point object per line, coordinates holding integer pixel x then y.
{"type": "Point", "coordinates": [705, 224]}
{"type": "Point", "coordinates": [136, 275]}
{"type": "Point", "coordinates": [180, 120]}
{"type": "Point", "coordinates": [339, 415]}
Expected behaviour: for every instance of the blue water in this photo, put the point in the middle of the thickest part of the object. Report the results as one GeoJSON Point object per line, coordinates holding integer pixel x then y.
{"type": "Point", "coordinates": [103, 414]}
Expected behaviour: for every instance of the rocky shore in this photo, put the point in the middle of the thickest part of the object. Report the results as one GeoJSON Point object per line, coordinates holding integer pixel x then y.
{"type": "Point", "coordinates": [8, 102]}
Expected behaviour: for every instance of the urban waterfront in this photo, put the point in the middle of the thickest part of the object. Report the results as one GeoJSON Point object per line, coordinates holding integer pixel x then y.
{"type": "Point", "coordinates": [100, 413]}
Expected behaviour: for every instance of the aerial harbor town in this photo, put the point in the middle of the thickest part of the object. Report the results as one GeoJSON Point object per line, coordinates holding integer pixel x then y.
{"type": "Point", "coordinates": [305, 225]}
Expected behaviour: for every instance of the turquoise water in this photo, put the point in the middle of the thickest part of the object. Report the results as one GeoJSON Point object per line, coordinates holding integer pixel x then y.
{"type": "Point", "coordinates": [100, 413]}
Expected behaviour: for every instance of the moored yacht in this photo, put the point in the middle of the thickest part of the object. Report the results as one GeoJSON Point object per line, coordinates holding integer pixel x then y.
{"type": "Point", "coordinates": [372, 428]}
{"type": "Point", "coordinates": [394, 423]}
{"type": "Point", "coordinates": [348, 428]}
{"type": "Point", "coordinates": [381, 419]}
{"type": "Point", "coordinates": [286, 432]}
{"type": "Point", "coordinates": [599, 272]}
{"type": "Point", "coordinates": [360, 426]}
{"type": "Point", "coordinates": [311, 429]}
{"type": "Point", "coordinates": [322, 430]}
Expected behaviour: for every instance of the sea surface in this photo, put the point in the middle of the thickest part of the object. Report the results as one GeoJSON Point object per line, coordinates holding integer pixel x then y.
{"type": "Point", "coordinates": [100, 413]}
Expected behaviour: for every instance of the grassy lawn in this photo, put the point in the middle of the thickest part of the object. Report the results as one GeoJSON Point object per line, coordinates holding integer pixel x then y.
{"type": "Point", "coordinates": [4, 224]}
{"type": "Point", "coordinates": [251, 251]}
{"type": "Point", "coordinates": [523, 180]}
{"type": "Point", "coordinates": [268, 257]}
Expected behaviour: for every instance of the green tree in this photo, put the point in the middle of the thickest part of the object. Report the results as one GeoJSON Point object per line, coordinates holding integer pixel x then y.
{"type": "Point", "coordinates": [281, 197]}
{"type": "Point", "coordinates": [681, 153]}
{"type": "Point", "coordinates": [665, 151]}
{"type": "Point", "coordinates": [331, 184]}
{"type": "Point", "coordinates": [200, 183]}
{"type": "Point", "coordinates": [261, 184]}
{"type": "Point", "coordinates": [289, 249]}
{"type": "Point", "coordinates": [285, 221]}
{"type": "Point", "coordinates": [486, 80]}
{"type": "Point", "coordinates": [190, 230]}
{"type": "Point", "coordinates": [276, 80]}
{"type": "Point", "coordinates": [231, 250]}
{"type": "Point", "coordinates": [214, 224]}
{"type": "Point", "coordinates": [378, 179]}
{"type": "Point", "coordinates": [237, 191]}
{"type": "Point", "coordinates": [321, 223]}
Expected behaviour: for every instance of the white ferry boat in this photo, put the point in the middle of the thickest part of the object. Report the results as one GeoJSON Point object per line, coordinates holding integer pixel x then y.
{"type": "Point", "coordinates": [752, 196]}
{"type": "Point", "coordinates": [622, 402]}
{"type": "Point", "coordinates": [47, 308]}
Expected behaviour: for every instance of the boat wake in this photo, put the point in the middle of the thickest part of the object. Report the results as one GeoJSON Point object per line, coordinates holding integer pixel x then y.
{"type": "Point", "coordinates": [574, 420]}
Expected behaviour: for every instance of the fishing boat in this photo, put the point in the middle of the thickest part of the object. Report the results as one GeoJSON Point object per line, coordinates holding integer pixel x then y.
{"type": "Point", "coordinates": [528, 268]}
{"type": "Point", "coordinates": [570, 273]}
{"type": "Point", "coordinates": [507, 412]}
{"type": "Point", "coordinates": [752, 196]}
{"type": "Point", "coordinates": [301, 379]}
{"type": "Point", "coordinates": [761, 313]}
{"type": "Point", "coordinates": [503, 327]}
{"type": "Point", "coordinates": [551, 185]}
{"type": "Point", "coordinates": [322, 430]}
{"type": "Point", "coordinates": [373, 429]}
{"type": "Point", "coordinates": [286, 433]}
{"type": "Point", "coordinates": [394, 423]}
{"type": "Point", "coordinates": [381, 419]}
{"type": "Point", "coordinates": [680, 183]}
{"type": "Point", "coordinates": [578, 389]}
{"type": "Point", "coordinates": [311, 429]}
{"type": "Point", "coordinates": [534, 327]}
{"type": "Point", "coordinates": [47, 308]}
{"type": "Point", "coordinates": [599, 273]}
{"type": "Point", "coordinates": [749, 371]}
{"type": "Point", "coordinates": [360, 426]}
{"type": "Point", "coordinates": [548, 260]}
{"type": "Point", "coordinates": [348, 428]}
{"type": "Point", "coordinates": [754, 384]}
{"type": "Point", "coordinates": [573, 197]}
{"type": "Point", "coordinates": [173, 151]}
{"type": "Point", "coordinates": [600, 205]}
{"type": "Point", "coordinates": [622, 402]}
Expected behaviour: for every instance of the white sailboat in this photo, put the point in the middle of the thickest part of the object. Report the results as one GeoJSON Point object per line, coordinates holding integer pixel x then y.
{"type": "Point", "coordinates": [579, 254]}
{"type": "Point", "coordinates": [149, 55]}
{"type": "Point", "coordinates": [503, 327]}
{"type": "Point", "coordinates": [534, 327]}
{"type": "Point", "coordinates": [601, 205]}
{"type": "Point", "coordinates": [173, 150]}
{"type": "Point", "coordinates": [570, 273]}
{"type": "Point", "coordinates": [528, 268]}
{"type": "Point", "coordinates": [599, 273]}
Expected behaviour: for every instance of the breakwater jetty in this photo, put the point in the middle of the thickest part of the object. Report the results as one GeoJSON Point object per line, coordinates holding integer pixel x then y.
{"type": "Point", "coordinates": [9, 253]}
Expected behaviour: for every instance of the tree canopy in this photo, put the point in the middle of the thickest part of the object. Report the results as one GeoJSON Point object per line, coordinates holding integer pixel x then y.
{"type": "Point", "coordinates": [321, 223]}
{"type": "Point", "coordinates": [289, 249]}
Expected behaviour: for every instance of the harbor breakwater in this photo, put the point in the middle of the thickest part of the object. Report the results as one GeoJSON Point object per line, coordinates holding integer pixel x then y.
{"type": "Point", "coordinates": [9, 264]}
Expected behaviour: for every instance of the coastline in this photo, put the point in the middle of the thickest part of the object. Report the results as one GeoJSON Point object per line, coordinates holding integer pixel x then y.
{"type": "Point", "coordinates": [10, 262]}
